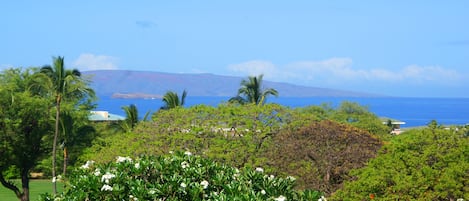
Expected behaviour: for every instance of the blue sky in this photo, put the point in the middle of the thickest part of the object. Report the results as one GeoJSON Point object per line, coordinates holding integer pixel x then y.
{"type": "Point", "coordinates": [400, 48]}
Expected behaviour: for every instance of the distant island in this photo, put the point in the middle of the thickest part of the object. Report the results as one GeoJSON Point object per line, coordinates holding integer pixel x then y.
{"type": "Point", "coordinates": [148, 84]}
{"type": "Point", "coordinates": [136, 96]}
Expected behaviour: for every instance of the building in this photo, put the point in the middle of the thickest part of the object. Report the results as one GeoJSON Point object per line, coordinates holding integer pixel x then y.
{"type": "Point", "coordinates": [395, 125]}
{"type": "Point", "coordinates": [104, 116]}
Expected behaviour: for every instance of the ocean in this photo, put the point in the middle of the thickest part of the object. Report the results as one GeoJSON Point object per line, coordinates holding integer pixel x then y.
{"type": "Point", "coordinates": [413, 111]}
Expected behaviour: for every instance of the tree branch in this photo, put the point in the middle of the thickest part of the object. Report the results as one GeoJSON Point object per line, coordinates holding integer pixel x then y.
{"type": "Point", "coordinates": [10, 185]}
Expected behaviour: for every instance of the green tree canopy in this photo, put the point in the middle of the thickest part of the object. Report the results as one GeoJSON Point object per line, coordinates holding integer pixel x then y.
{"type": "Point", "coordinates": [24, 122]}
{"type": "Point", "coordinates": [420, 164]}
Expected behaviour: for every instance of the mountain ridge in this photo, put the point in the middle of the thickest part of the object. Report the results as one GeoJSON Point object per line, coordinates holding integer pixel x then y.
{"type": "Point", "coordinates": [155, 84]}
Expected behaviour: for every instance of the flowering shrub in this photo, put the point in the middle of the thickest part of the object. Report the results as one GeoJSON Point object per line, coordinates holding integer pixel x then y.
{"type": "Point", "coordinates": [180, 176]}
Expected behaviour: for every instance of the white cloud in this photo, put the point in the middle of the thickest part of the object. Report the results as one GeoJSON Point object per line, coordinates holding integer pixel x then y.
{"type": "Point", "coordinates": [335, 72]}
{"type": "Point", "coordinates": [257, 67]}
{"type": "Point", "coordinates": [88, 61]}
{"type": "Point", "coordinates": [430, 73]}
{"type": "Point", "coordinates": [322, 70]}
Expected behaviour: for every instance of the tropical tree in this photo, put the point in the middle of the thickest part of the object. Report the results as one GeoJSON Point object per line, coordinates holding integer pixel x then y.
{"type": "Point", "coordinates": [422, 164]}
{"type": "Point", "coordinates": [77, 135]}
{"type": "Point", "coordinates": [24, 122]}
{"type": "Point", "coordinates": [132, 119]}
{"type": "Point", "coordinates": [172, 100]}
{"type": "Point", "coordinates": [322, 153]}
{"type": "Point", "coordinates": [64, 85]}
{"type": "Point", "coordinates": [251, 91]}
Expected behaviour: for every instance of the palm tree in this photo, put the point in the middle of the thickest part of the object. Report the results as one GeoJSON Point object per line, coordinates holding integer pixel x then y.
{"type": "Point", "coordinates": [132, 119]}
{"type": "Point", "coordinates": [63, 84]}
{"type": "Point", "coordinates": [76, 131]}
{"type": "Point", "coordinates": [251, 91]}
{"type": "Point", "coordinates": [171, 100]}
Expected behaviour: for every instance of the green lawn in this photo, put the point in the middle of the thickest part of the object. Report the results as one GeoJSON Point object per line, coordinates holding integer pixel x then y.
{"type": "Point", "coordinates": [36, 187]}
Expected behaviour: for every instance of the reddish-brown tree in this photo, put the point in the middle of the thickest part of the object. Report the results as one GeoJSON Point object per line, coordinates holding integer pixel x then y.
{"type": "Point", "coordinates": [321, 154]}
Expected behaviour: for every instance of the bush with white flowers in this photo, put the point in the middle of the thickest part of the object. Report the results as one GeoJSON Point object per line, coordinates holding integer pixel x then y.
{"type": "Point", "coordinates": [179, 176]}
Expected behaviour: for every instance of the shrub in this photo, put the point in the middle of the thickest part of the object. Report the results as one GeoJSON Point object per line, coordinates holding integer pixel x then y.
{"type": "Point", "coordinates": [180, 176]}
{"type": "Point", "coordinates": [423, 164]}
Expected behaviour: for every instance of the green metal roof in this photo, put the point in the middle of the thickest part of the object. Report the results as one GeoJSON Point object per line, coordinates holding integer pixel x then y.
{"type": "Point", "coordinates": [393, 121]}
{"type": "Point", "coordinates": [104, 116]}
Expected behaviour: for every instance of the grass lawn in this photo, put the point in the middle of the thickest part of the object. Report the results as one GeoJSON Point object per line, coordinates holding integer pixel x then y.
{"type": "Point", "coordinates": [36, 187]}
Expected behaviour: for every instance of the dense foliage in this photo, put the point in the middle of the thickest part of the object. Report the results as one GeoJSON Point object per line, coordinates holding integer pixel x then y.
{"type": "Point", "coordinates": [180, 176]}
{"type": "Point", "coordinates": [428, 164]}
{"type": "Point", "coordinates": [344, 151]}
{"type": "Point", "coordinates": [220, 133]}
{"type": "Point", "coordinates": [24, 122]}
{"type": "Point", "coordinates": [271, 136]}
{"type": "Point", "coordinates": [29, 107]}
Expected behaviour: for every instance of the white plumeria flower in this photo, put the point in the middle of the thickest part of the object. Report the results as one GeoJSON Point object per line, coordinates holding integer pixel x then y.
{"type": "Point", "coordinates": [183, 185]}
{"type": "Point", "coordinates": [106, 188]}
{"type": "Point", "coordinates": [184, 164]}
{"type": "Point", "coordinates": [322, 199]}
{"type": "Point", "coordinates": [263, 192]}
{"type": "Point", "coordinates": [87, 164]}
{"type": "Point", "coordinates": [188, 153]}
{"type": "Point", "coordinates": [97, 172]}
{"type": "Point", "coordinates": [259, 169]}
{"type": "Point", "coordinates": [121, 159]}
{"type": "Point", "coordinates": [137, 165]}
{"type": "Point", "coordinates": [271, 177]}
{"type": "Point", "coordinates": [204, 184]}
{"type": "Point", "coordinates": [131, 197]}
{"type": "Point", "coordinates": [106, 177]}
{"type": "Point", "coordinates": [280, 198]}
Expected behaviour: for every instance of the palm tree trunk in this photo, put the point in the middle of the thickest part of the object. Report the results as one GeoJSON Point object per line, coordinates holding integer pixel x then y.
{"type": "Point", "coordinates": [65, 164]}
{"type": "Point", "coordinates": [54, 145]}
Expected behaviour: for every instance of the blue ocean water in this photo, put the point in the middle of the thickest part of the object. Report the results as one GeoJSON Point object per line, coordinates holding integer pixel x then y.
{"type": "Point", "coordinates": [413, 111]}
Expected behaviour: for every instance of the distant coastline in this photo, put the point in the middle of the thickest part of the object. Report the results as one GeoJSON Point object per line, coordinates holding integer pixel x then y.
{"type": "Point", "coordinates": [136, 96]}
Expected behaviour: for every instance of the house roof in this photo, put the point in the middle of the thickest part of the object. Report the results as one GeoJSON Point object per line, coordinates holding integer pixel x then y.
{"type": "Point", "coordinates": [104, 116]}
{"type": "Point", "coordinates": [393, 121]}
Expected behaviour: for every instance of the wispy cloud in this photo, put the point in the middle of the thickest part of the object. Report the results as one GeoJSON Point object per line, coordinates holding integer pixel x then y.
{"type": "Point", "coordinates": [340, 72]}
{"type": "Point", "coordinates": [88, 61]}
{"type": "Point", "coordinates": [267, 68]}
{"type": "Point", "coordinates": [254, 67]}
